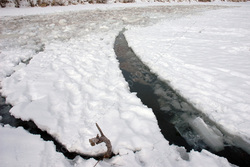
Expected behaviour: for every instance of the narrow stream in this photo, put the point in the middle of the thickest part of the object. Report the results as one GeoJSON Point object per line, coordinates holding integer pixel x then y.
{"type": "Point", "coordinates": [180, 123]}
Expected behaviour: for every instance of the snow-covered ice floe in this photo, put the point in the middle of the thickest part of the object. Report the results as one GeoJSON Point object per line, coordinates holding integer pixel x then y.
{"type": "Point", "coordinates": [19, 148]}
{"type": "Point", "coordinates": [206, 57]}
{"type": "Point", "coordinates": [71, 82]}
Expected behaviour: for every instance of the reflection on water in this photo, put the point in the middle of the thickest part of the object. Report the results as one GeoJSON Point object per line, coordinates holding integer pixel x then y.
{"type": "Point", "coordinates": [180, 123]}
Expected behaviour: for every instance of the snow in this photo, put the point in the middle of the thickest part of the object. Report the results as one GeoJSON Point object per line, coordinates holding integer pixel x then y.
{"type": "Point", "coordinates": [62, 9]}
{"type": "Point", "coordinates": [67, 93]}
{"type": "Point", "coordinates": [73, 81]}
{"type": "Point", "coordinates": [19, 147]}
{"type": "Point", "coordinates": [26, 11]}
{"type": "Point", "coordinates": [206, 58]}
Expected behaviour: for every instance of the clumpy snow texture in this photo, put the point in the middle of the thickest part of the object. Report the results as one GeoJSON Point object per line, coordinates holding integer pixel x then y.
{"type": "Point", "coordinates": [18, 147]}
{"type": "Point", "coordinates": [206, 58]}
{"type": "Point", "coordinates": [60, 71]}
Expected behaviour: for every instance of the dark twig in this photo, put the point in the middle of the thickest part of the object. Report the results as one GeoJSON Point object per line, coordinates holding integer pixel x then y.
{"type": "Point", "coordinates": [98, 140]}
{"type": "Point", "coordinates": [96, 163]}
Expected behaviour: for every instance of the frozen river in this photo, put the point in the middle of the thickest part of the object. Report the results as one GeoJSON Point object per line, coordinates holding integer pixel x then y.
{"type": "Point", "coordinates": [73, 80]}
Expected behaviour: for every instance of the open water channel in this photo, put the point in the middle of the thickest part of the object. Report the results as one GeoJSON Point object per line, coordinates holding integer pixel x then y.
{"type": "Point", "coordinates": [180, 123]}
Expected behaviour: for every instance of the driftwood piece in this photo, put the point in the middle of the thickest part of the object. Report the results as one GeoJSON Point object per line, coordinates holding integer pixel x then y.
{"type": "Point", "coordinates": [98, 140]}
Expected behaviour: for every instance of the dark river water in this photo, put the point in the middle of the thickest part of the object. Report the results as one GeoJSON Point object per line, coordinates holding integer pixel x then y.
{"type": "Point", "coordinates": [176, 117]}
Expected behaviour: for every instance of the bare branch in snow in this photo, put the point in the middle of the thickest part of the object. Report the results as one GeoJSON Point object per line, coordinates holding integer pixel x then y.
{"type": "Point", "coordinates": [98, 140]}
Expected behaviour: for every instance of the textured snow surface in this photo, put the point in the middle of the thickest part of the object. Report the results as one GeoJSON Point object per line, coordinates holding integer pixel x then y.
{"type": "Point", "coordinates": [67, 92]}
{"type": "Point", "coordinates": [19, 148]}
{"type": "Point", "coordinates": [73, 81]}
{"type": "Point", "coordinates": [207, 59]}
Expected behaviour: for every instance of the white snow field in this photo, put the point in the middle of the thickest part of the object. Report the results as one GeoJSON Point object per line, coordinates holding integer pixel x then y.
{"type": "Point", "coordinates": [206, 57]}
{"type": "Point", "coordinates": [19, 148]}
{"type": "Point", "coordinates": [73, 81]}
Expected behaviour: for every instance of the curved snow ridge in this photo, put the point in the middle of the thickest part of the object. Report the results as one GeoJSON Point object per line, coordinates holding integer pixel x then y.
{"type": "Point", "coordinates": [206, 58]}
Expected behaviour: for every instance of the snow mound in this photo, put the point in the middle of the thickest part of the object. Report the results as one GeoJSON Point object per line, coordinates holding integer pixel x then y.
{"type": "Point", "coordinates": [67, 93]}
